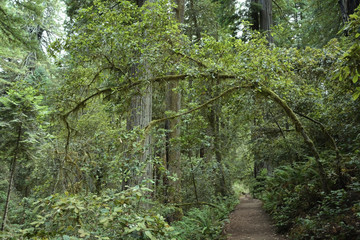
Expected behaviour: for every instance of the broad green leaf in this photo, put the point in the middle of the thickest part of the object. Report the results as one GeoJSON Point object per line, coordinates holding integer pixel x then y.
{"type": "Point", "coordinates": [356, 95]}
{"type": "Point", "coordinates": [148, 233]}
{"type": "Point", "coordinates": [355, 78]}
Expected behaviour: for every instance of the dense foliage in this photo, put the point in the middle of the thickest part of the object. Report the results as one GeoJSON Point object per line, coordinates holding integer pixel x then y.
{"type": "Point", "coordinates": [140, 119]}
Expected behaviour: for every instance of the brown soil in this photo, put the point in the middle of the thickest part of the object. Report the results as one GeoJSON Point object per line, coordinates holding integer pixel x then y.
{"type": "Point", "coordinates": [249, 221]}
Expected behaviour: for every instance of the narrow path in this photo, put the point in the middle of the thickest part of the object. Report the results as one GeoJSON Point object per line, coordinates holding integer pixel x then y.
{"type": "Point", "coordinates": [249, 221]}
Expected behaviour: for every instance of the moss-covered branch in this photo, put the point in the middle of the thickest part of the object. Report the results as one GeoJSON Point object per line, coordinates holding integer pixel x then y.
{"type": "Point", "coordinates": [154, 122]}
{"type": "Point", "coordinates": [299, 128]}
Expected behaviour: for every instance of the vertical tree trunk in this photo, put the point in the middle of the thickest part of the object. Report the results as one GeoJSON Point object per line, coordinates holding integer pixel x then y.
{"type": "Point", "coordinates": [347, 8]}
{"type": "Point", "coordinates": [221, 187]}
{"type": "Point", "coordinates": [11, 179]}
{"type": "Point", "coordinates": [193, 18]}
{"type": "Point", "coordinates": [172, 155]}
{"type": "Point", "coordinates": [193, 177]}
{"type": "Point", "coordinates": [262, 19]}
{"type": "Point", "coordinates": [141, 116]}
{"type": "Point", "coordinates": [266, 18]}
{"type": "Point", "coordinates": [254, 15]}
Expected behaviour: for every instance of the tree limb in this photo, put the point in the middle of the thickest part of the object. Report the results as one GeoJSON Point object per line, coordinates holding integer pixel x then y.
{"type": "Point", "coordinates": [154, 122]}
{"type": "Point", "coordinates": [136, 83]}
{"type": "Point", "coordinates": [322, 126]}
{"type": "Point", "coordinates": [299, 128]}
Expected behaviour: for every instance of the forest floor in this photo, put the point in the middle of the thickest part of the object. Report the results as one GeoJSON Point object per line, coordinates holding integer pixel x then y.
{"type": "Point", "coordinates": [249, 221]}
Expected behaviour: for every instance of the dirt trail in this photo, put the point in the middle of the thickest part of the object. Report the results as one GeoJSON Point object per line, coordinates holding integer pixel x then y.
{"type": "Point", "coordinates": [249, 221]}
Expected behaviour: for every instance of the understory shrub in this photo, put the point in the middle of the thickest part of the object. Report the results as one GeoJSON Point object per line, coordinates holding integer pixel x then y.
{"type": "Point", "coordinates": [206, 222]}
{"type": "Point", "coordinates": [293, 196]}
{"type": "Point", "coordinates": [111, 215]}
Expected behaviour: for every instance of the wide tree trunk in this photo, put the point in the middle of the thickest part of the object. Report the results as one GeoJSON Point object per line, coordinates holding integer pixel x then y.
{"type": "Point", "coordinates": [141, 116]}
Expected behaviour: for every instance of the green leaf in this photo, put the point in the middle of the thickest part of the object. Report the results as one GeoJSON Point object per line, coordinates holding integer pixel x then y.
{"type": "Point", "coordinates": [356, 95]}
{"type": "Point", "coordinates": [148, 233]}
{"type": "Point", "coordinates": [104, 221]}
{"type": "Point", "coordinates": [355, 78]}
{"type": "Point", "coordinates": [83, 233]}
{"type": "Point", "coordinates": [346, 71]}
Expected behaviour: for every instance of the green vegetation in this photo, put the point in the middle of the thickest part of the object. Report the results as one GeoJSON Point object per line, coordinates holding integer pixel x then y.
{"type": "Point", "coordinates": [147, 119]}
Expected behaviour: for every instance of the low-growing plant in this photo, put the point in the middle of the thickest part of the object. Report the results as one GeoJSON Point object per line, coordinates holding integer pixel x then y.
{"type": "Point", "coordinates": [206, 222]}
{"type": "Point", "coordinates": [111, 215]}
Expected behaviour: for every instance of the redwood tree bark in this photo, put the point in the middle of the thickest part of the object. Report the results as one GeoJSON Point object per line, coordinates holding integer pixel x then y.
{"type": "Point", "coordinates": [141, 116]}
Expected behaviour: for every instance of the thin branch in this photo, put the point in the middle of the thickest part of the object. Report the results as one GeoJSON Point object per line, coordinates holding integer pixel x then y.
{"type": "Point", "coordinates": [278, 125]}
{"type": "Point", "coordinates": [300, 129]}
{"type": "Point", "coordinates": [322, 126]}
{"type": "Point", "coordinates": [154, 122]}
{"type": "Point", "coordinates": [282, 12]}
{"type": "Point", "coordinates": [97, 75]}
{"type": "Point", "coordinates": [83, 102]}
{"type": "Point", "coordinates": [113, 65]}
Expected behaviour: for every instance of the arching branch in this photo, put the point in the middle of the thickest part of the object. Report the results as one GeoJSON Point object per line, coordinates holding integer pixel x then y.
{"type": "Point", "coordinates": [299, 128]}
{"type": "Point", "coordinates": [154, 122]}
{"type": "Point", "coordinates": [127, 86]}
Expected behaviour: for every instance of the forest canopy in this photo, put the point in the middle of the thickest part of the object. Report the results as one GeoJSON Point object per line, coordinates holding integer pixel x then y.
{"type": "Point", "coordinates": [147, 119]}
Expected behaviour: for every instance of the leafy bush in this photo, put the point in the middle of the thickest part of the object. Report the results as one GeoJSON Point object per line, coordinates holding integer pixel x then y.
{"type": "Point", "coordinates": [206, 222]}
{"type": "Point", "coordinates": [112, 215]}
{"type": "Point", "coordinates": [294, 198]}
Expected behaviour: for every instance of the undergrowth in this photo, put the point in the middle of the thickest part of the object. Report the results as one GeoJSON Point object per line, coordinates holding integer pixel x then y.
{"type": "Point", "coordinates": [293, 196]}
{"type": "Point", "coordinates": [206, 222]}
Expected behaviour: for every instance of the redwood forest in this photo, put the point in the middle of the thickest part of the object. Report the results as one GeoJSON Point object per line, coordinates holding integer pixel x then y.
{"type": "Point", "coordinates": [154, 119]}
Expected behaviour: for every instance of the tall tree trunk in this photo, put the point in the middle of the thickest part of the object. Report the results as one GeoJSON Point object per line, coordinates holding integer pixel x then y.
{"type": "Point", "coordinates": [347, 8]}
{"type": "Point", "coordinates": [261, 16]}
{"type": "Point", "coordinates": [254, 15]}
{"type": "Point", "coordinates": [193, 177]}
{"type": "Point", "coordinates": [215, 126]}
{"type": "Point", "coordinates": [172, 155]}
{"type": "Point", "coordinates": [193, 18]}
{"type": "Point", "coordinates": [141, 116]}
{"type": "Point", "coordinates": [266, 18]}
{"type": "Point", "coordinates": [11, 179]}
